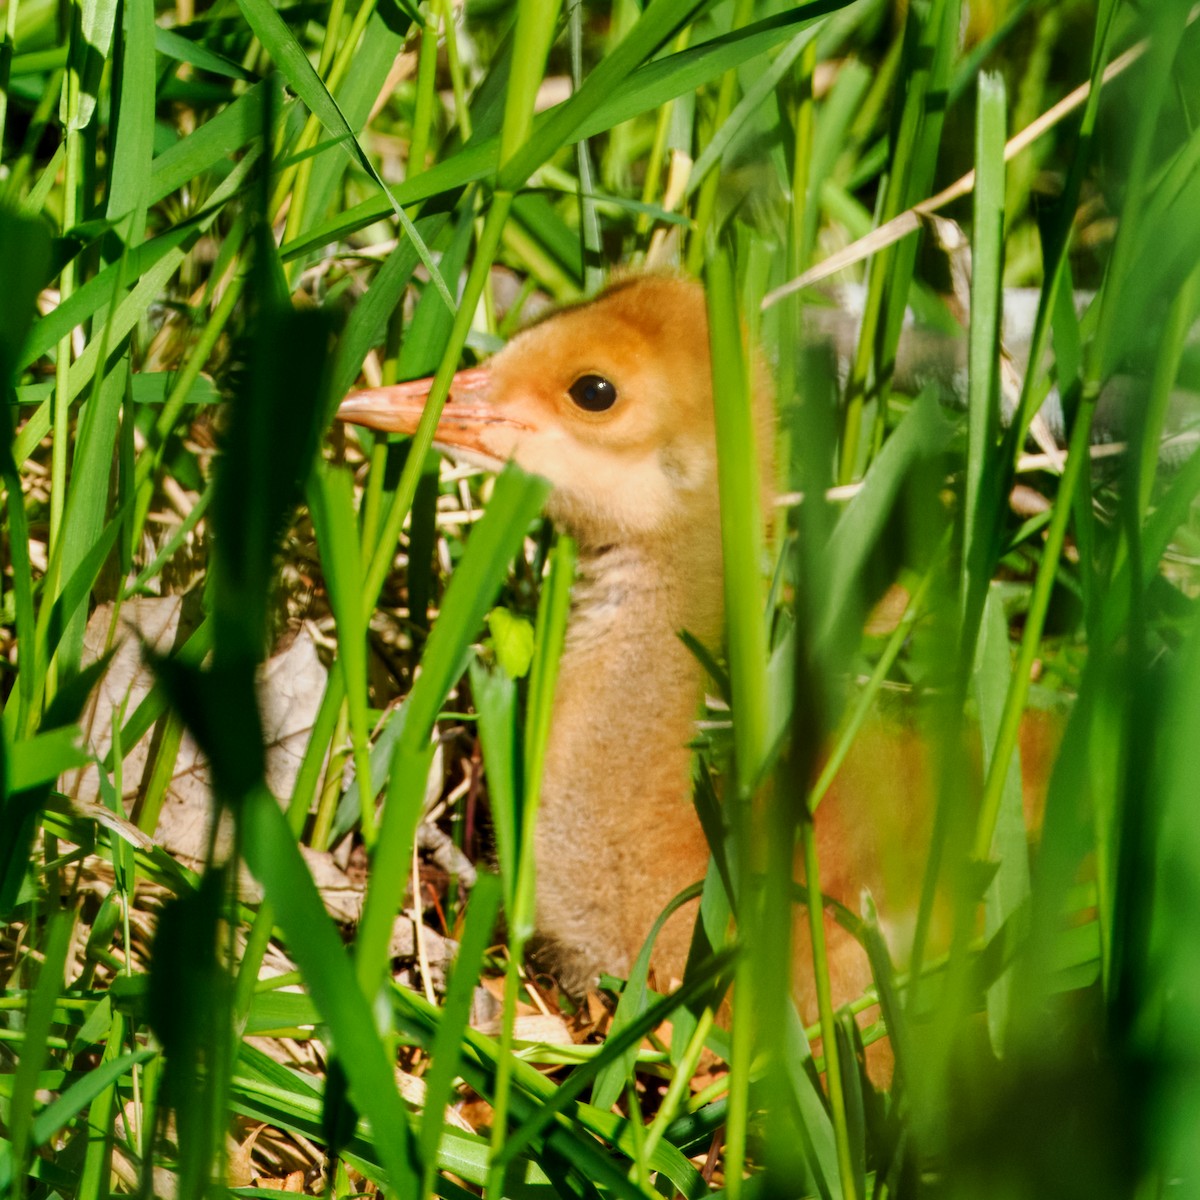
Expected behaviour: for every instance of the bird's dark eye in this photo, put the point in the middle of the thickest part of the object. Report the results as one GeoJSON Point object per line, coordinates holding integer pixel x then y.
{"type": "Point", "coordinates": [593, 392]}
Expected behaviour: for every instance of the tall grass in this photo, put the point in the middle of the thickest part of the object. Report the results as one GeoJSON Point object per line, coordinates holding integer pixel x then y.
{"type": "Point", "coordinates": [214, 222]}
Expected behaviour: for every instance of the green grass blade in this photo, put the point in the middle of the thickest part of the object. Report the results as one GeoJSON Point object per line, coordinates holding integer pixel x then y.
{"type": "Point", "coordinates": [134, 149]}
{"type": "Point", "coordinates": [39, 1017]}
{"type": "Point", "coordinates": [543, 676]}
{"type": "Point", "coordinates": [494, 541]}
{"type": "Point", "coordinates": [171, 44]}
{"type": "Point", "coordinates": [741, 524]}
{"type": "Point", "coordinates": [391, 861]}
{"type": "Point", "coordinates": [980, 512]}
{"type": "Point", "coordinates": [90, 49]}
{"type": "Point", "coordinates": [612, 1080]}
{"type": "Point", "coordinates": [495, 696]}
{"type": "Point", "coordinates": [216, 141]}
{"type": "Point", "coordinates": [460, 992]}
{"type": "Point", "coordinates": [56, 1115]}
{"type": "Point", "coordinates": [1009, 887]}
{"type": "Point", "coordinates": [331, 503]}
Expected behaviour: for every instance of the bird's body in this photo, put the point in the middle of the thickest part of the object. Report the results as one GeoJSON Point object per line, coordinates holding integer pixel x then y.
{"type": "Point", "coordinates": [612, 402]}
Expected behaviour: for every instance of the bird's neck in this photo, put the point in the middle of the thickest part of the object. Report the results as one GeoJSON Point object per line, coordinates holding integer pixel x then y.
{"type": "Point", "coordinates": [617, 833]}
{"type": "Point", "coordinates": [626, 591]}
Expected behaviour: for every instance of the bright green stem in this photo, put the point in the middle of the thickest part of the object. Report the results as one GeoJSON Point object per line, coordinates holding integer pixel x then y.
{"type": "Point", "coordinates": [337, 9]}
{"type": "Point", "coordinates": [802, 166]}
{"type": "Point", "coordinates": [418, 146]}
{"type": "Point", "coordinates": [332, 790]}
{"type": "Point", "coordinates": [303, 171]}
{"type": "Point", "coordinates": [679, 1088]}
{"type": "Point", "coordinates": [462, 114]}
{"type": "Point", "coordinates": [62, 401]}
{"type": "Point", "coordinates": [737, 1119]}
{"type": "Point", "coordinates": [1018, 689]}
{"type": "Point", "coordinates": [658, 151]}
{"type": "Point", "coordinates": [257, 942]}
{"type": "Point", "coordinates": [833, 1072]}
{"type": "Point", "coordinates": [323, 733]}
{"type": "Point", "coordinates": [6, 55]}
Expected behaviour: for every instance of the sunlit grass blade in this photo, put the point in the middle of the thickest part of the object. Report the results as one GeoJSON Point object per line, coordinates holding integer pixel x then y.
{"type": "Point", "coordinates": [134, 147]}
{"type": "Point", "coordinates": [495, 539]}
{"type": "Point", "coordinates": [1009, 886]}
{"type": "Point", "coordinates": [611, 1082]}
{"type": "Point", "coordinates": [332, 507]}
{"type": "Point", "coordinates": [980, 514]}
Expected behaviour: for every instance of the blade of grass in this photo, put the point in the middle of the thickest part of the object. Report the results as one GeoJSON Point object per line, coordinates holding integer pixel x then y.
{"type": "Point", "coordinates": [981, 514]}
{"type": "Point", "coordinates": [447, 1046]}
{"type": "Point", "coordinates": [332, 506]}
{"type": "Point", "coordinates": [548, 643]}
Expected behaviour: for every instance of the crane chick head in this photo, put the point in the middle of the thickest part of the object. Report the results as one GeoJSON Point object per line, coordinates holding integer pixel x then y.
{"type": "Point", "coordinates": [610, 400]}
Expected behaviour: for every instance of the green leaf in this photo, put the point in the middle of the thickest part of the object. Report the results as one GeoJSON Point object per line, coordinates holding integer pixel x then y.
{"type": "Point", "coordinates": [495, 696]}
{"type": "Point", "coordinates": [512, 640]}
{"type": "Point", "coordinates": [91, 46]}
{"type": "Point", "coordinates": [174, 45]}
{"type": "Point", "coordinates": [331, 503]}
{"type": "Point", "coordinates": [456, 1012]}
{"type": "Point", "coordinates": [39, 760]}
{"type": "Point", "coordinates": [981, 511]}
{"type": "Point", "coordinates": [134, 149]}
{"type": "Point", "coordinates": [83, 1091]}
{"type": "Point", "coordinates": [741, 524]}
{"type": "Point", "coordinates": [1009, 887]}
{"type": "Point", "coordinates": [215, 141]}
{"type": "Point", "coordinates": [548, 644]}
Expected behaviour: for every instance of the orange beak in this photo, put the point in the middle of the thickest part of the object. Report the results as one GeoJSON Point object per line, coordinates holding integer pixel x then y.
{"type": "Point", "coordinates": [469, 422]}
